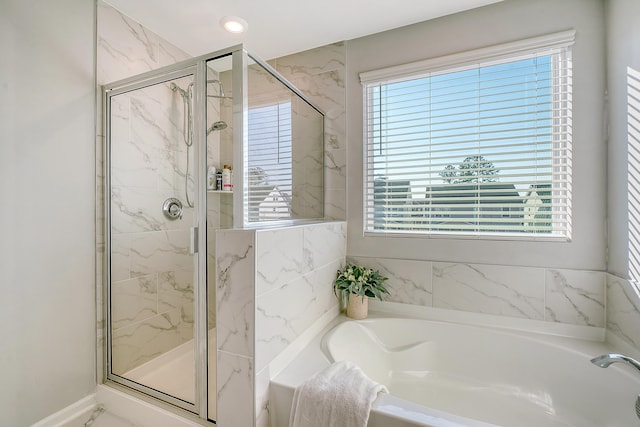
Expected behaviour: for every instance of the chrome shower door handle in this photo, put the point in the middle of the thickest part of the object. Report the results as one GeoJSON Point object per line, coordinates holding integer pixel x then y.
{"type": "Point", "coordinates": [172, 208]}
{"type": "Point", "coordinates": [193, 241]}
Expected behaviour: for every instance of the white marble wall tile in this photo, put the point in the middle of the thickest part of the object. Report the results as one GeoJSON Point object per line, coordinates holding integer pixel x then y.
{"type": "Point", "coordinates": [235, 383]}
{"type": "Point", "coordinates": [324, 243]}
{"type": "Point", "coordinates": [575, 297]}
{"type": "Point", "coordinates": [175, 292]}
{"type": "Point", "coordinates": [262, 398]}
{"type": "Point", "coordinates": [279, 257]}
{"type": "Point", "coordinates": [133, 300]}
{"type": "Point", "coordinates": [120, 257]}
{"type": "Point", "coordinates": [327, 92]}
{"type": "Point", "coordinates": [125, 48]}
{"type": "Point", "coordinates": [235, 291]}
{"type": "Point", "coordinates": [131, 210]}
{"type": "Point", "coordinates": [409, 281]}
{"type": "Point", "coordinates": [320, 75]}
{"type": "Point", "coordinates": [312, 62]}
{"type": "Point", "coordinates": [489, 289]}
{"type": "Point", "coordinates": [335, 166]}
{"type": "Point", "coordinates": [214, 212]}
{"type": "Point", "coordinates": [160, 251]}
{"type": "Point", "coordinates": [324, 299]}
{"type": "Point", "coordinates": [157, 132]}
{"type": "Point", "coordinates": [335, 203]}
{"type": "Point", "coordinates": [275, 314]}
{"type": "Point", "coordinates": [285, 313]}
{"type": "Point", "coordinates": [326, 89]}
{"type": "Point", "coordinates": [623, 309]}
{"type": "Point", "coordinates": [170, 54]}
{"type": "Point", "coordinates": [136, 344]}
{"type": "Point", "coordinates": [211, 277]}
{"type": "Point", "coordinates": [131, 162]}
{"type": "Point", "coordinates": [226, 211]}
{"type": "Point", "coordinates": [307, 191]}
{"type": "Point", "coordinates": [132, 167]}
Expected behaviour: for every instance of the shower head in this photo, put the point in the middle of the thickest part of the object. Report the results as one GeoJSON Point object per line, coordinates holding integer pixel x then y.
{"type": "Point", "coordinates": [184, 93]}
{"type": "Point", "coordinates": [219, 125]}
{"type": "Point", "coordinates": [220, 89]}
{"type": "Point", "coordinates": [219, 83]}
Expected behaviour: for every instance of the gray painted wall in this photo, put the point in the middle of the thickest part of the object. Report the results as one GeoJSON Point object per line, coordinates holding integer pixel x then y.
{"type": "Point", "coordinates": [498, 23]}
{"type": "Point", "coordinates": [47, 282]}
{"type": "Point", "coordinates": [623, 52]}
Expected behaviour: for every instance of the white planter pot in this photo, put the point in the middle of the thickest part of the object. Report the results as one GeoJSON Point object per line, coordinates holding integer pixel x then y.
{"type": "Point", "coordinates": [358, 307]}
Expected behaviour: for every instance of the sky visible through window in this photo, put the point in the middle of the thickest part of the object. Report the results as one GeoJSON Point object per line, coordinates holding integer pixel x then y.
{"type": "Point", "coordinates": [502, 112]}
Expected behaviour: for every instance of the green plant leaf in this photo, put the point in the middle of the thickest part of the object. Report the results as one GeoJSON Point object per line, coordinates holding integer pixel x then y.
{"type": "Point", "coordinates": [359, 280]}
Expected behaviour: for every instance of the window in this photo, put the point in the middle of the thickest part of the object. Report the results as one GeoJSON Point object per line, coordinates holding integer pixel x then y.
{"type": "Point", "coordinates": [476, 144]}
{"type": "Point", "coordinates": [269, 162]}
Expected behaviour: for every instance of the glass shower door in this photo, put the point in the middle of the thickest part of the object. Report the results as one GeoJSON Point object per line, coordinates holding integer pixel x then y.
{"type": "Point", "coordinates": [151, 214]}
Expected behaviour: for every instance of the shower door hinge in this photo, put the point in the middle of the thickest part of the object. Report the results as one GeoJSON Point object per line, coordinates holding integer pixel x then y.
{"type": "Point", "coordinates": [194, 240]}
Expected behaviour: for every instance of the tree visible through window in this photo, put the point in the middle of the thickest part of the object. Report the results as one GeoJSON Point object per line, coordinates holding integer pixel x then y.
{"type": "Point", "coordinates": [477, 148]}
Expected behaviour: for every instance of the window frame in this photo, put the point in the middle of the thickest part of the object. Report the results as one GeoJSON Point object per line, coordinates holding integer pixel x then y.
{"type": "Point", "coordinates": [547, 44]}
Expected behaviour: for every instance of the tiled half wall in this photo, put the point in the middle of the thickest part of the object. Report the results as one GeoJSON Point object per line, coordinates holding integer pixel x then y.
{"type": "Point", "coordinates": [272, 285]}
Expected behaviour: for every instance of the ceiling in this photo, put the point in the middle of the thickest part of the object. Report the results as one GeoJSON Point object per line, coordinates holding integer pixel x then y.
{"type": "Point", "coordinates": [281, 27]}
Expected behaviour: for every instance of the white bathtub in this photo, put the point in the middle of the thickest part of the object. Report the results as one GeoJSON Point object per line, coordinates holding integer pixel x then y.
{"type": "Point", "coordinates": [444, 374]}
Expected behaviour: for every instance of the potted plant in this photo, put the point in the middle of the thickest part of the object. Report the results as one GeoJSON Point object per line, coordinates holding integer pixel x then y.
{"type": "Point", "coordinates": [353, 286]}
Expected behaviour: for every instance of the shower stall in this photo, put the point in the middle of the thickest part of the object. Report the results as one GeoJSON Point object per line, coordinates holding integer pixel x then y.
{"type": "Point", "coordinates": [164, 129]}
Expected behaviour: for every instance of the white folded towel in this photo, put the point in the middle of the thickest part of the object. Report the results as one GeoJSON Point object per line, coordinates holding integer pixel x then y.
{"type": "Point", "coordinates": [340, 395]}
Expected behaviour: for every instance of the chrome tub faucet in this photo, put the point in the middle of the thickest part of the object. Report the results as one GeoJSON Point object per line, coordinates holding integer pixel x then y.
{"type": "Point", "coordinates": [605, 360]}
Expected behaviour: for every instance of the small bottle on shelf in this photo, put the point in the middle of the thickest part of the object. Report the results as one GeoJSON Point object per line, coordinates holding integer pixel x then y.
{"type": "Point", "coordinates": [226, 178]}
{"type": "Point", "coordinates": [219, 180]}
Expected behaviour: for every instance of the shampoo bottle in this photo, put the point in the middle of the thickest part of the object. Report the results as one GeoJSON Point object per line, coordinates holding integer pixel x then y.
{"type": "Point", "coordinates": [226, 178]}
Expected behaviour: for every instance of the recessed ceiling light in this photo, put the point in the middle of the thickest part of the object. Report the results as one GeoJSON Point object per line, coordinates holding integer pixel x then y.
{"type": "Point", "coordinates": [234, 24]}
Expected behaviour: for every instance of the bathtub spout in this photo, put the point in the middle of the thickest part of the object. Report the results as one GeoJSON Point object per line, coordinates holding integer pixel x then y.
{"type": "Point", "coordinates": [607, 359]}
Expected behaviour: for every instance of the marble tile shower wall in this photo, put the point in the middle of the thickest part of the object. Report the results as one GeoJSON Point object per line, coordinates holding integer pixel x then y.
{"type": "Point", "coordinates": [554, 295]}
{"type": "Point", "coordinates": [149, 298]}
{"type": "Point", "coordinates": [151, 267]}
{"type": "Point", "coordinates": [320, 74]}
{"type": "Point", "coordinates": [272, 285]}
{"type": "Point", "coordinates": [306, 144]}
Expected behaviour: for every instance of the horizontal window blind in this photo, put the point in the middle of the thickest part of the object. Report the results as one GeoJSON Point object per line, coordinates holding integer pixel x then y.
{"type": "Point", "coordinates": [479, 148]}
{"type": "Point", "coordinates": [269, 164]}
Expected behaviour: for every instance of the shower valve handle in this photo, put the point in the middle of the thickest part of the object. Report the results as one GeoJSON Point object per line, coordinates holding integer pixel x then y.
{"type": "Point", "coordinates": [172, 208]}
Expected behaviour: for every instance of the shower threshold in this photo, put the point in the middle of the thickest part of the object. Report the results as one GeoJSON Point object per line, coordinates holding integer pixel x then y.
{"type": "Point", "coordinates": [173, 373]}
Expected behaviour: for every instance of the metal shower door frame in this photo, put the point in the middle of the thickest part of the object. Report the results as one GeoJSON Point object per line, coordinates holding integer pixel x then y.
{"type": "Point", "coordinates": [240, 60]}
{"type": "Point", "coordinates": [184, 69]}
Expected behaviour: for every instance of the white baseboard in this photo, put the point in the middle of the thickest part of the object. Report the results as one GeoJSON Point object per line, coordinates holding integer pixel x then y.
{"type": "Point", "coordinates": [65, 415]}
